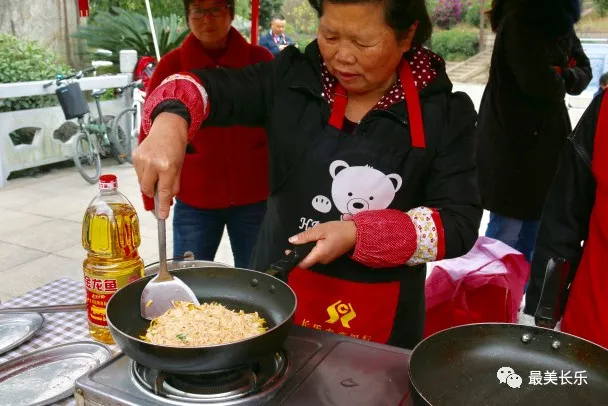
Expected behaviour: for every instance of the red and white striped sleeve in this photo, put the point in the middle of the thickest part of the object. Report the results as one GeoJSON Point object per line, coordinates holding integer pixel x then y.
{"type": "Point", "coordinates": [388, 238]}
{"type": "Point", "coordinates": [185, 88]}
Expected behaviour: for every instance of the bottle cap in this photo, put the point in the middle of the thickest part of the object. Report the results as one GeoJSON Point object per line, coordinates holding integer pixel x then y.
{"type": "Point", "coordinates": [108, 182]}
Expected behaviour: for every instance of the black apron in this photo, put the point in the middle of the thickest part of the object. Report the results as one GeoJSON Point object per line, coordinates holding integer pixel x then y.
{"type": "Point", "coordinates": [340, 175]}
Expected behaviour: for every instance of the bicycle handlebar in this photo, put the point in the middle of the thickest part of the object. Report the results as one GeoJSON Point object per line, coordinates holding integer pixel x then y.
{"type": "Point", "coordinates": [77, 75]}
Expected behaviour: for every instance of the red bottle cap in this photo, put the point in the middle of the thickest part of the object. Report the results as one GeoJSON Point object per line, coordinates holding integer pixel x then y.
{"type": "Point", "coordinates": [108, 182]}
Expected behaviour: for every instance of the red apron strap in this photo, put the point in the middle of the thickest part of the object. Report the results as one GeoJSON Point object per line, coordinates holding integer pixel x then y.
{"type": "Point", "coordinates": [413, 105]}
{"type": "Point", "coordinates": [411, 100]}
{"type": "Point", "coordinates": [338, 109]}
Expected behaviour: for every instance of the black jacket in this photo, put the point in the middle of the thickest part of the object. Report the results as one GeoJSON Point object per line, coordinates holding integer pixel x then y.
{"type": "Point", "coordinates": [285, 97]}
{"type": "Point", "coordinates": [567, 211]}
{"type": "Point", "coordinates": [523, 119]}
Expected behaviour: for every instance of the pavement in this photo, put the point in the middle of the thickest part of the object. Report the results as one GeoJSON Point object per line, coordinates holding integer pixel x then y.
{"type": "Point", "coordinates": [41, 222]}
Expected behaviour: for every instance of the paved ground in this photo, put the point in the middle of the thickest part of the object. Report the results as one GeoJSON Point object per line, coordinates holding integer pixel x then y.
{"type": "Point", "coordinates": [40, 227]}
{"type": "Point", "coordinates": [40, 224]}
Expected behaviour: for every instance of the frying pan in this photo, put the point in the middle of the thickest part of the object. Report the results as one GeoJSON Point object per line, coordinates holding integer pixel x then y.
{"type": "Point", "coordinates": [235, 288]}
{"type": "Point", "coordinates": [462, 365]}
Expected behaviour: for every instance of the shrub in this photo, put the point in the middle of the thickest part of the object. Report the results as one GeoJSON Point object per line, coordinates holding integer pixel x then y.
{"type": "Point", "coordinates": [448, 13]}
{"type": "Point", "coordinates": [129, 30]}
{"type": "Point", "coordinates": [601, 6]}
{"type": "Point", "coordinates": [22, 61]}
{"type": "Point", "coordinates": [455, 45]}
{"type": "Point", "coordinates": [472, 14]}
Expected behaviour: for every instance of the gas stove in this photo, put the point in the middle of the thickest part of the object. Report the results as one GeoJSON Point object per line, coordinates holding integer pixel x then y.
{"type": "Point", "coordinates": [313, 368]}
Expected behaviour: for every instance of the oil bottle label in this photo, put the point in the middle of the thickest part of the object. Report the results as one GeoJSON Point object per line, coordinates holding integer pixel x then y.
{"type": "Point", "coordinates": [99, 291]}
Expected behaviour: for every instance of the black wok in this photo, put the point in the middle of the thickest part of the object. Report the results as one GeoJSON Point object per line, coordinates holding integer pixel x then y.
{"type": "Point", "coordinates": [460, 365]}
{"type": "Point", "coordinates": [237, 289]}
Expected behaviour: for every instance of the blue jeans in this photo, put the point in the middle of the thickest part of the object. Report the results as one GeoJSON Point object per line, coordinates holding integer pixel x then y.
{"type": "Point", "coordinates": [517, 234]}
{"type": "Point", "coordinates": [200, 231]}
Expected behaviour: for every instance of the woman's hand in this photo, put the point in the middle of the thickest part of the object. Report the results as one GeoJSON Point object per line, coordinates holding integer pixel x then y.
{"type": "Point", "coordinates": [334, 239]}
{"type": "Point", "coordinates": [159, 158]}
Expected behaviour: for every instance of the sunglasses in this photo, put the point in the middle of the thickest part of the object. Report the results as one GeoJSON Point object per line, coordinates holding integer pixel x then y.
{"type": "Point", "coordinates": [217, 11]}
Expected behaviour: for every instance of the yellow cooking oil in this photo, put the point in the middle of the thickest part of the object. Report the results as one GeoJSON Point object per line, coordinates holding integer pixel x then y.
{"type": "Point", "coordinates": [111, 237]}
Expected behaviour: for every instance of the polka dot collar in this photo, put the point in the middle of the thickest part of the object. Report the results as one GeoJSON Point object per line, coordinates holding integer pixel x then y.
{"type": "Point", "coordinates": [425, 66]}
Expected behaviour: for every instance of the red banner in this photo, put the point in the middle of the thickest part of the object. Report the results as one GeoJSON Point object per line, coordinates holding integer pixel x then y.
{"type": "Point", "coordinates": [83, 8]}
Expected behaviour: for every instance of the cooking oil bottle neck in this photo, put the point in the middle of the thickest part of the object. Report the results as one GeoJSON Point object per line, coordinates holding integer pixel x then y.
{"type": "Point", "coordinates": [108, 192]}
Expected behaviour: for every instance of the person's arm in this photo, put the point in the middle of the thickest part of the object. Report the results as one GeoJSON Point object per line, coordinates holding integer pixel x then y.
{"type": "Point", "coordinates": [578, 74]}
{"type": "Point", "coordinates": [526, 55]}
{"type": "Point", "coordinates": [220, 96]}
{"type": "Point", "coordinates": [565, 219]}
{"type": "Point", "coordinates": [168, 65]}
{"type": "Point", "coordinates": [447, 224]}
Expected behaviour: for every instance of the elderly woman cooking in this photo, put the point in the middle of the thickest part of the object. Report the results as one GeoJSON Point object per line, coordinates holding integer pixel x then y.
{"type": "Point", "coordinates": [371, 157]}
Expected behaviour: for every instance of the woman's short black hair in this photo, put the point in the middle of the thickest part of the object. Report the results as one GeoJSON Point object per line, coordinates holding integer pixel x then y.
{"type": "Point", "coordinates": [229, 3]}
{"type": "Point", "coordinates": [399, 15]}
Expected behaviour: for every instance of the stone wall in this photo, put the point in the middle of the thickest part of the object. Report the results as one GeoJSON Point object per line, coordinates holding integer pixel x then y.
{"type": "Point", "coordinates": [49, 22]}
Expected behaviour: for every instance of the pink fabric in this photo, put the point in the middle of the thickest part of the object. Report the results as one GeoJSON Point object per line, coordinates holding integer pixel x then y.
{"type": "Point", "coordinates": [485, 285]}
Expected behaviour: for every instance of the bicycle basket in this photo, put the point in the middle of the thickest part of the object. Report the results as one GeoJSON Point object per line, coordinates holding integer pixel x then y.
{"type": "Point", "coordinates": [72, 101]}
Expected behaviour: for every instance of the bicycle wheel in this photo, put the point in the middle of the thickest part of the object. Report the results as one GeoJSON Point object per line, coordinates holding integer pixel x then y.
{"type": "Point", "coordinates": [87, 159]}
{"type": "Point", "coordinates": [118, 139]}
{"type": "Point", "coordinates": [124, 120]}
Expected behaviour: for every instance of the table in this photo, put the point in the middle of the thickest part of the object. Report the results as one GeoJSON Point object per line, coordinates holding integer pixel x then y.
{"type": "Point", "coordinates": [58, 328]}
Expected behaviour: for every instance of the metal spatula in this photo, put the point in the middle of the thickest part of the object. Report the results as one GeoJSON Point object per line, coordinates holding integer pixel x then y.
{"type": "Point", "coordinates": [160, 293]}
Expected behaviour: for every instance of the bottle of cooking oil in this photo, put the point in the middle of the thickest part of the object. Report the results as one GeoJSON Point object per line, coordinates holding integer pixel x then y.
{"type": "Point", "coordinates": [110, 234]}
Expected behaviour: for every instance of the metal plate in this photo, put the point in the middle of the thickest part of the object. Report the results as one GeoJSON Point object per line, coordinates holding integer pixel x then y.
{"type": "Point", "coordinates": [46, 376]}
{"type": "Point", "coordinates": [17, 328]}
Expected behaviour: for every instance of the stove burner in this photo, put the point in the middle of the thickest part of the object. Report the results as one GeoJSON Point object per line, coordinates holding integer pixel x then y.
{"type": "Point", "coordinates": [214, 387]}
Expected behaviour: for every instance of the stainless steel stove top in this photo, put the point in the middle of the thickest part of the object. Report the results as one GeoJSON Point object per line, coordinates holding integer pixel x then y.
{"type": "Point", "coordinates": [314, 368]}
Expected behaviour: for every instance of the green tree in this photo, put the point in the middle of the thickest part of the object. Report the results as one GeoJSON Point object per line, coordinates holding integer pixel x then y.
{"type": "Point", "coordinates": [301, 17]}
{"type": "Point", "coordinates": [160, 8]}
{"type": "Point", "coordinates": [601, 6]}
{"type": "Point", "coordinates": [130, 30]}
{"type": "Point", "coordinates": [267, 9]}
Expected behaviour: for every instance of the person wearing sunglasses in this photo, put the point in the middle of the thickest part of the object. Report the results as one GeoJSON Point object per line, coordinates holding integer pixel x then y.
{"type": "Point", "coordinates": [206, 203]}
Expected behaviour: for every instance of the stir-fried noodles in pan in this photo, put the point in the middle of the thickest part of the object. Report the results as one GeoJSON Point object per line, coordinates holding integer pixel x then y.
{"type": "Point", "coordinates": [189, 325]}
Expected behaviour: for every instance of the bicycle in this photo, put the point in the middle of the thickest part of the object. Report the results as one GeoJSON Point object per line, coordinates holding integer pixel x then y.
{"type": "Point", "coordinates": [132, 118]}
{"type": "Point", "coordinates": [88, 149]}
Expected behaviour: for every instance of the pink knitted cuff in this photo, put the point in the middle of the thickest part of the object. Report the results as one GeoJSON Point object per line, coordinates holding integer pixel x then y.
{"type": "Point", "coordinates": [185, 88]}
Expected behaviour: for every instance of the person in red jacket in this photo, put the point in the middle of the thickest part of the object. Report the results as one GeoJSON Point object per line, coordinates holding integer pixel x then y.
{"type": "Point", "coordinates": [224, 180]}
{"type": "Point", "coordinates": [576, 211]}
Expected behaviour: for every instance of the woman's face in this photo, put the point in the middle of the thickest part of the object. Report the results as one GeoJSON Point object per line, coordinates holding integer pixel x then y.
{"type": "Point", "coordinates": [359, 48]}
{"type": "Point", "coordinates": [210, 21]}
